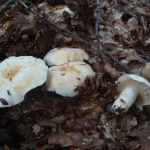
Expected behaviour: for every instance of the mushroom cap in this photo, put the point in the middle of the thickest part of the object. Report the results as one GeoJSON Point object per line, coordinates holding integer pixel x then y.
{"type": "Point", "coordinates": [146, 72]}
{"type": "Point", "coordinates": [60, 56]}
{"type": "Point", "coordinates": [64, 79]}
{"type": "Point", "coordinates": [61, 8]}
{"type": "Point", "coordinates": [141, 84]}
{"type": "Point", "coordinates": [18, 75]}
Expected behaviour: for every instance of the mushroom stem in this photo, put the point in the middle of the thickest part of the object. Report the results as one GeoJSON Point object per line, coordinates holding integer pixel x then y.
{"type": "Point", "coordinates": [125, 100]}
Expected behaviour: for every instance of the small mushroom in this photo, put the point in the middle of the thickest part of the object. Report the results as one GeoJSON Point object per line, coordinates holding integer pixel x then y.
{"type": "Point", "coordinates": [66, 78]}
{"type": "Point", "coordinates": [60, 9]}
{"type": "Point", "coordinates": [60, 56]}
{"type": "Point", "coordinates": [133, 88]}
{"type": "Point", "coordinates": [18, 75]}
{"type": "Point", "coordinates": [146, 72]}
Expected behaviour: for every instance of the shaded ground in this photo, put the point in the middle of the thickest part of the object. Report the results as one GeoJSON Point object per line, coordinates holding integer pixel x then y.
{"type": "Point", "coordinates": [48, 121]}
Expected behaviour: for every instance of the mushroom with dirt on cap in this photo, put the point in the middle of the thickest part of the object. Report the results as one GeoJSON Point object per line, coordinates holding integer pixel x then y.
{"type": "Point", "coordinates": [18, 75]}
{"type": "Point", "coordinates": [60, 56]}
{"type": "Point", "coordinates": [66, 78]}
{"type": "Point", "coordinates": [133, 88]}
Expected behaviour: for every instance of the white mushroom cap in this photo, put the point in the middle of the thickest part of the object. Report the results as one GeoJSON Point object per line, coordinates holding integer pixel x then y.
{"type": "Point", "coordinates": [146, 72]}
{"type": "Point", "coordinates": [19, 75]}
{"type": "Point", "coordinates": [64, 79]}
{"type": "Point", "coordinates": [61, 8]}
{"type": "Point", "coordinates": [132, 87]}
{"type": "Point", "coordinates": [60, 56]}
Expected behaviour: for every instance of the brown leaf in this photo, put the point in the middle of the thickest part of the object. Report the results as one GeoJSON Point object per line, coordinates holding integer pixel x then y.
{"type": "Point", "coordinates": [140, 35]}
{"type": "Point", "coordinates": [128, 122]}
{"type": "Point", "coordinates": [132, 55]}
{"type": "Point", "coordinates": [59, 120]}
{"type": "Point", "coordinates": [144, 135]}
{"type": "Point", "coordinates": [32, 144]}
{"type": "Point", "coordinates": [4, 37]}
{"type": "Point", "coordinates": [45, 123]}
{"type": "Point", "coordinates": [26, 23]}
{"type": "Point", "coordinates": [5, 27]}
{"type": "Point", "coordinates": [112, 72]}
{"type": "Point", "coordinates": [109, 126]}
{"type": "Point", "coordinates": [94, 113]}
{"type": "Point", "coordinates": [14, 112]}
{"type": "Point", "coordinates": [23, 129]}
{"type": "Point", "coordinates": [36, 129]}
{"type": "Point", "coordinates": [60, 139]}
{"type": "Point", "coordinates": [74, 139]}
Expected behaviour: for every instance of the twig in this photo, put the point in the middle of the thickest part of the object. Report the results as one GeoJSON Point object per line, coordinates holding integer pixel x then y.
{"type": "Point", "coordinates": [59, 28]}
{"type": "Point", "coordinates": [6, 5]}
{"type": "Point", "coordinates": [140, 51]}
{"type": "Point", "coordinates": [96, 27]}
{"type": "Point", "coordinates": [144, 56]}
{"type": "Point", "coordinates": [101, 49]}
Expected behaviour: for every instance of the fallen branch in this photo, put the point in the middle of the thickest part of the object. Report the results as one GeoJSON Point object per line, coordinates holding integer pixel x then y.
{"type": "Point", "coordinates": [140, 51]}
{"type": "Point", "coordinates": [101, 49]}
{"type": "Point", "coordinates": [59, 28]}
{"type": "Point", "coordinates": [6, 5]}
{"type": "Point", "coordinates": [144, 56]}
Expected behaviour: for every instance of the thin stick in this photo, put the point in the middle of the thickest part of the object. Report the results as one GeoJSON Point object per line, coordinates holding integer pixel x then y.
{"type": "Point", "coordinates": [59, 28]}
{"type": "Point", "coordinates": [101, 49]}
{"type": "Point", "coordinates": [96, 27]}
{"type": "Point", "coordinates": [144, 56]}
{"type": "Point", "coordinates": [6, 5]}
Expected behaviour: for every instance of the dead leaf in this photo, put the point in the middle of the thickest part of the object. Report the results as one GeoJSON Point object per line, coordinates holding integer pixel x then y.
{"type": "Point", "coordinates": [24, 129]}
{"type": "Point", "coordinates": [33, 144]}
{"type": "Point", "coordinates": [26, 23]}
{"type": "Point", "coordinates": [112, 72]}
{"type": "Point", "coordinates": [109, 126]}
{"type": "Point", "coordinates": [5, 27]}
{"type": "Point", "coordinates": [128, 122]}
{"type": "Point", "coordinates": [144, 135]}
{"type": "Point", "coordinates": [36, 129]}
{"type": "Point", "coordinates": [74, 139]}
{"type": "Point", "coordinates": [44, 122]}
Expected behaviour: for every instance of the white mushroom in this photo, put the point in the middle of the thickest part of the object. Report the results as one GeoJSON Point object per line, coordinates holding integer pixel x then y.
{"type": "Point", "coordinates": [64, 79]}
{"type": "Point", "coordinates": [60, 56]}
{"type": "Point", "coordinates": [133, 88]}
{"type": "Point", "coordinates": [60, 9]}
{"type": "Point", "coordinates": [146, 72]}
{"type": "Point", "coordinates": [18, 75]}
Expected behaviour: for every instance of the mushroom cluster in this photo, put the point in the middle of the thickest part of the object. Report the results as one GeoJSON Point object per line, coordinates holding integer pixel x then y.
{"type": "Point", "coordinates": [18, 75]}
{"type": "Point", "coordinates": [67, 70]}
{"type": "Point", "coordinates": [132, 88]}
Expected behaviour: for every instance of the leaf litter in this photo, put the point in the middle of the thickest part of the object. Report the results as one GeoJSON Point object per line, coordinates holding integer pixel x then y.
{"type": "Point", "coordinates": [48, 121]}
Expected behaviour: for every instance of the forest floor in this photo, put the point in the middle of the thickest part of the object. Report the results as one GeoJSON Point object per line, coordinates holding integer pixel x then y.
{"type": "Point", "coordinates": [49, 121]}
